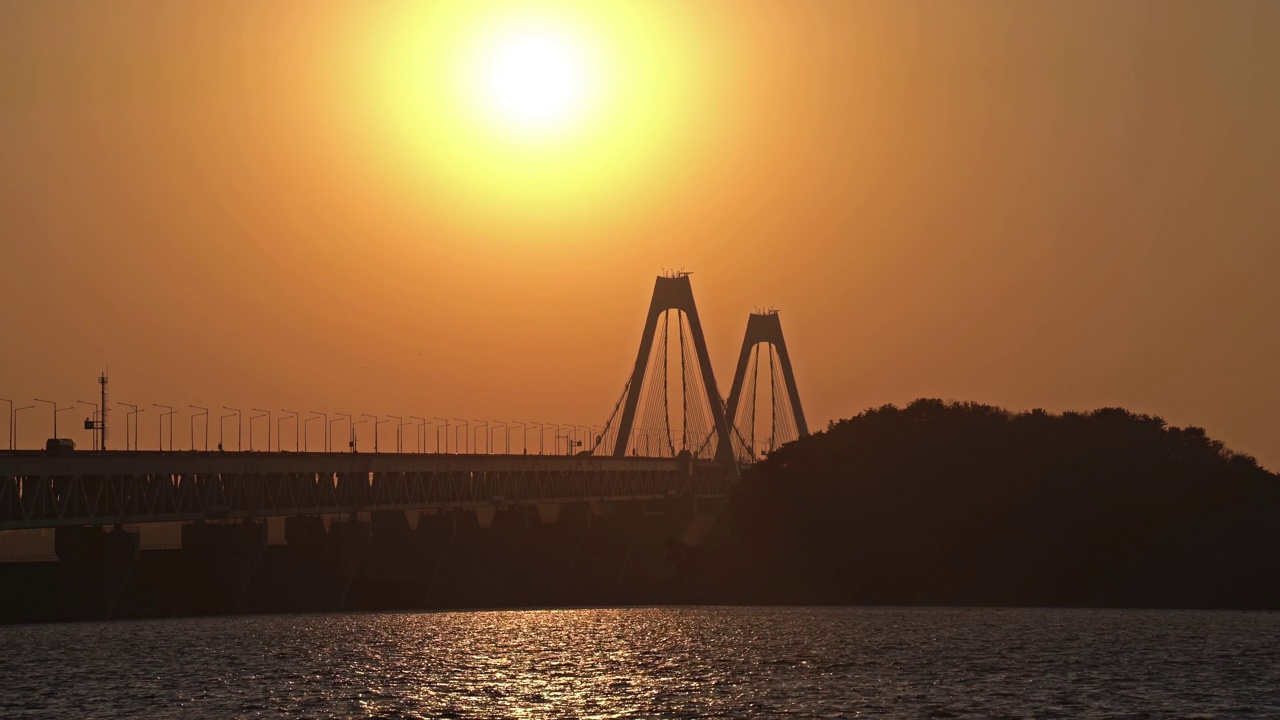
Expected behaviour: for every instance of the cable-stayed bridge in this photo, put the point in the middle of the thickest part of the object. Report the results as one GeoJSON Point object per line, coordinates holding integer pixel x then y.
{"type": "Point", "coordinates": [671, 435]}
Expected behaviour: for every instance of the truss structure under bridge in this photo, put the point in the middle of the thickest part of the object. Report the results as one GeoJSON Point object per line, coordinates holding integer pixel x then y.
{"type": "Point", "coordinates": [39, 490]}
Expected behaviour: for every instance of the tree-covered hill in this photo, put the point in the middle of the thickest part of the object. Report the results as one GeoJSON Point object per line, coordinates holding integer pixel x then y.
{"type": "Point", "coordinates": [962, 503]}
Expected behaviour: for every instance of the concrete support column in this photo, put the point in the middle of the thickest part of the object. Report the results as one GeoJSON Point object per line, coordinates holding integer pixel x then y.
{"type": "Point", "coordinates": [232, 551]}
{"type": "Point", "coordinates": [350, 539]}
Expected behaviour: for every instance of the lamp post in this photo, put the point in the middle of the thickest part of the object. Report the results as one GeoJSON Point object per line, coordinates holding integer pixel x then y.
{"type": "Point", "coordinates": [466, 429]}
{"type": "Point", "coordinates": [418, 445]}
{"type": "Point", "coordinates": [334, 422]}
{"type": "Point", "coordinates": [206, 426]}
{"type": "Point", "coordinates": [261, 414]}
{"type": "Point", "coordinates": [376, 423]}
{"type": "Point", "coordinates": [506, 435]}
{"type": "Point", "coordinates": [92, 424]}
{"type": "Point", "coordinates": [524, 436]}
{"type": "Point", "coordinates": [169, 414]}
{"type": "Point", "coordinates": [297, 429]}
{"type": "Point", "coordinates": [14, 423]}
{"type": "Point", "coordinates": [306, 433]}
{"type": "Point", "coordinates": [355, 447]}
{"type": "Point", "coordinates": [340, 418]}
{"type": "Point", "coordinates": [54, 406]}
{"type": "Point", "coordinates": [351, 431]}
{"type": "Point", "coordinates": [476, 438]}
{"type": "Point", "coordinates": [133, 412]}
{"type": "Point", "coordinates": [446, 435]}
{"type": "Point", "coordinates": [222, 430]}
{"type": "Point", "coordinates": [238, 433]}
{"type": "Point", "coordinates": [268, 413]}
{"type": "Point", "coordinates": [326, 427]}
{"type": "Point", "coordinates": [399, 432]}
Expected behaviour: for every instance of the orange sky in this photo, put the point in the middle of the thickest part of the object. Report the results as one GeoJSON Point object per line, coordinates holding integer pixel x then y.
{"type": "Point", "coordinates": [1059, 205]}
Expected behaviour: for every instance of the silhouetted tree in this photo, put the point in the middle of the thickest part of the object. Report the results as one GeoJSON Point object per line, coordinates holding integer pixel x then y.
{"type": "Point", "coordinates": [964, 503]}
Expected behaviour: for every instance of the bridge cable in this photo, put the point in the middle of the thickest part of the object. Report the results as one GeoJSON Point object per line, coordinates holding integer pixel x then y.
{"type": "Point", "coordinates": [773, 403]}
{"type": "Point", "coordinates": [701, 432]}
{"type": "Point", "coordinates": [617, 408]}
{"type": "Point", "coordinates": [684, 385]}
{"type": "Point", "coordinates": [755, 374]}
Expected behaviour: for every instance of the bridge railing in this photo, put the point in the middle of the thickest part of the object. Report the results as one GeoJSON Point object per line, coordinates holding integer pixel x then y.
{"type": "Point", "coordinates": [125, 488]}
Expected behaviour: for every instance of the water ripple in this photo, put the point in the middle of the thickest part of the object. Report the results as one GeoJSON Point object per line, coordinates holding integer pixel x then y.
{"type": "Point", "coordinates": [653, 663]}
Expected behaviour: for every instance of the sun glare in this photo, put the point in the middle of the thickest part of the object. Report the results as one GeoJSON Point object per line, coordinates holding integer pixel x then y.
{"type": "Point", "coordinates": [534, 78]}
{"type": "Point", "coordinates": [541, 110]}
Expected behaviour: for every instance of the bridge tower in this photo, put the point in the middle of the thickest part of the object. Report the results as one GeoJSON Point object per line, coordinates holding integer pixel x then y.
{"type": "Point", "coordinates": [764, 328]}
{"type": "Point", "coordinates": [705, 429]}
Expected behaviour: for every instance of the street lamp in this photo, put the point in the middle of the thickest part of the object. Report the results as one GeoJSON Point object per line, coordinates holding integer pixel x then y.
{"type": "Point", "coordinates": [354, 446]}
{"type": "Point", "coordinates": [92, 424]}
{"type": "Point", "coordinates": [446, 435]}
{"type": "Point", "coordinates": [326, 427]}
{"type": "Point", "coordinates": [222, 430]}
{"type": "Point", "coordinates": [399, 432]}
{"type": "Point", "coordinates": [133, 412]}
{"type": "Point", "coordinates": [160, 432]}
{"type": "Point", "coordinates": [262, 414]}
{"type": "Point", "coordinates": [54, 406]}
{"type": "Point", "coordinates": [297, 429]}
{"type": "Point", "coordinates": [488, 446]}
{"type": "Point", "coordinates": [524, 436]}
{"type": "Point", "coordinates": [422, 428]}
{"type": "Point", "coordinates": [351, 432]}
{"type": "Point", "coordinates": [14, 423]}
{"type": "Point", "coordinates": [268, 414]}
{"type": "Point", "coordinates": [238, 433]}
{"type": "Point", "coordinates": [206, 426]}
{"type": "Point", "coordinates": [466, 429]}
{"type": "Point", "coordinates": [306, 433]}
{"type": "Point", "coordinates": [335, 422]}
{"type": "Point", "coordinates": [376, 423]}
{"type": "Point", "coordinates": [506, 436]}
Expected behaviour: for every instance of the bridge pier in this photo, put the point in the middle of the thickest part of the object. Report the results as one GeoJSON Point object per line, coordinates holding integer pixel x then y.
{"type": "Point", "coordinates": [350, 539]}
{"type": "Point", "coordinates": [230, 553]}
{"type": "Point", "coordinates": [105, 559]}
{"type": "Point", "coordinates": [389, 575]}
{"type": "Point", "coordinates": [306, 532]}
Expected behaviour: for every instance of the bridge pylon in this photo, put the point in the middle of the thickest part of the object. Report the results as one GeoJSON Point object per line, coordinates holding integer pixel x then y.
{"type": "Point", "coordinates": [765, 328]}
{"type": "Point", "coordinates": [674, 292]}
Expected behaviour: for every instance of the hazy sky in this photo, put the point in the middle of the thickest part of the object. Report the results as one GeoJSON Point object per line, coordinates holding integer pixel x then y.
{"type": "Point", "coordinates": [295, 205]}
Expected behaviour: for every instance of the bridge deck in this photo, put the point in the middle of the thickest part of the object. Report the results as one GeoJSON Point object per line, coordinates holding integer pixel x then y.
{"type": "Point", "coordinates": [40, 490]}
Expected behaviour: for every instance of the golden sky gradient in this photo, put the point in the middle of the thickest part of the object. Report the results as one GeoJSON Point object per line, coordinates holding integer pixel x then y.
{"type": "Point", "coordinates": [298, 205]}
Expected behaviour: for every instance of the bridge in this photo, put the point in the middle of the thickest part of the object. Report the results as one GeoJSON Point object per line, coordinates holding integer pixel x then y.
{"type": "Point", "coordinates": [646, 451]}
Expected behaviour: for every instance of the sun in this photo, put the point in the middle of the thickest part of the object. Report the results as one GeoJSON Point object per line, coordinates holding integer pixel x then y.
{"type": "Point", "coordinates": [534, 79]}
{"type": "Point", "coordinates": [515, 114]}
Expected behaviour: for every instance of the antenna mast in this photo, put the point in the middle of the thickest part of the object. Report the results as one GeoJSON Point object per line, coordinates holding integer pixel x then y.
{"type": "Point", "coordinates": [102, 416]}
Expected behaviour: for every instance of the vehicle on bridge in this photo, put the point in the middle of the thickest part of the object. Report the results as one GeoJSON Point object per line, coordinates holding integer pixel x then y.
{"type": "Point", "coordinates": [59, 446]}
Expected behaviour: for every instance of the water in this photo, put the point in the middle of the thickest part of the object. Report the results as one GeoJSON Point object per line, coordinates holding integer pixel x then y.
{"type": "Point", "coordinates": [653, 662]}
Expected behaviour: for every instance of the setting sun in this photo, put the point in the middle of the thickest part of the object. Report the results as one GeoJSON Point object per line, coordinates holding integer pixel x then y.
{"type": "Point", "coordinates": [534, 78]}
{"type": "Point", "coordinates": [547, 112]}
